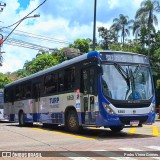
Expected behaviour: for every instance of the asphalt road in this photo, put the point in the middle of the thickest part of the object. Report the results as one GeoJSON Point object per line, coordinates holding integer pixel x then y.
{"type": "Point", "coordinates": [94, 143]}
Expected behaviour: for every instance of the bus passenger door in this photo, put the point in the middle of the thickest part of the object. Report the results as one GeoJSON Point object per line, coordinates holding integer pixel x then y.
{"type": "Point", "coordinates": [36, 105]}
{"type": "Point", "coordinates": [88, 88]}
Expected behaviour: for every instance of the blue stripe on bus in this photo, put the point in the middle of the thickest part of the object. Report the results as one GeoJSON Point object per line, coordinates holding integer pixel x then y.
{"type": "Point", "coordinates": [36, 117]}
{"type": "Point", "coordinates": [11, 117]}
{"type": "Point", "coordinates": [106, 120]}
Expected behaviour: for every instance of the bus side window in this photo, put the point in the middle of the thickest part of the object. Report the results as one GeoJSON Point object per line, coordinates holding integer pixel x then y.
{"type": "Point", "coordinates": [47, 84]}
{"type": "Point", "coordinates": [50, 83]}
{"type": "Point", "coordinates": [69, 78]}
{"type": "Point", "coordinates": [60, 82]}
{"type": "Point", "coordinates": [27, 90]}
{"type": "Point", "coordinates": [18, 93]}
{"type": "Point", "coordinates": [54, 83]}
{"type": "Point", "coordinates": [36, 91]}
{"type": "Point", "coordinates": [6, 95]}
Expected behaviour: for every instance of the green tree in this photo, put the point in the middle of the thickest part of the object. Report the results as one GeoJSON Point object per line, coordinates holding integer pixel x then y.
{"type": "Point", "coordinates": [146, 14]}
{"type": "Point", "coordinates": [81, 44]}
{"type": "Point", "coordinates": [21, 73]}
{"type": "Point", "coordinates": [59, 56]}
{"type": "Point", "coordinates": [122, 24]}
{"type": "Point", "coordinates": [129, 46]}
{"type": "Point", "coordinates": [108, 37]}
{"type": "Point", "coordinates": [4, 80]}
{"type": "Point", "coordinates": [42, 62]}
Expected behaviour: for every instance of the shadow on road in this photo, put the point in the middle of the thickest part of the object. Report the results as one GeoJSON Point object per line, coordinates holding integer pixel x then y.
{"type": "Point", "coordinates": [95, 133]}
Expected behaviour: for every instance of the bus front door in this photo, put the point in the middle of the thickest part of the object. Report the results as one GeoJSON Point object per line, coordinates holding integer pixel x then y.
{"type": "Point", "coordinates": [88, 87]}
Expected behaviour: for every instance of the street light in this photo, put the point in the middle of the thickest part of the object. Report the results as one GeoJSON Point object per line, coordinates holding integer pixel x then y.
{"type": "Point", "coordinates": [18, 23]}
{"type": "Point", "coordinates": [34, 16]}
{"type": "Point", "coordinates": [94, 24]}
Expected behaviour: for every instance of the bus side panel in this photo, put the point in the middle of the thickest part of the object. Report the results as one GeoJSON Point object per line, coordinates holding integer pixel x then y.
{"type": "Point", "coordinates": [52, 108]}
{"type": "Point", "coordinates": [9, 111]}
{"type": "Point", "coordinates": [27, 107]}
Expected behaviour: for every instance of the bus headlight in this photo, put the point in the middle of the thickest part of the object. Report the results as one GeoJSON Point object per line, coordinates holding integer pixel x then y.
{"type": "Point", "coordinates": [153, 107]}
{"type": "Point", "coordinates": [108, 108]}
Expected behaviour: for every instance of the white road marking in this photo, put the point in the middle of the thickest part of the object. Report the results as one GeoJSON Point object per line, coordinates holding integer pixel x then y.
{"type": "Point", "coordinates": [130, 149]}
{"type": "Point", "coordinates": [122, 158]}
{"type": "Point", "coordinates": [75, 156]}
{"type": "Point", "coordinates": [154, 147]}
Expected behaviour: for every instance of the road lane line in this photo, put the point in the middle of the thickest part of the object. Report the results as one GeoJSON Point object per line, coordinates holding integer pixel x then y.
{"type": "Point", "coordinates": [132, 130]}
{"type": "Point", "coordinates": [75, 156]}
{"type": "Point", "coordinates": [154, 147]}
{"type": "Point", "coordinates": [155, 131]}
{"type": "Point", "coordinates": [67, 134]}
{"type": "Point", "coordinates": [37, 128]}
{"type": "Point", "coordinates": [130, 149]}
{"type": "Point", "coordinates": [123, 158]}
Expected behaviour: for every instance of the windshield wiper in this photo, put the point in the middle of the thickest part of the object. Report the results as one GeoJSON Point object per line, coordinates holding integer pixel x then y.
{"type": "Point", "coordinates": [123, 73]}
{"type": "Point", "coordinates": [137, 70]}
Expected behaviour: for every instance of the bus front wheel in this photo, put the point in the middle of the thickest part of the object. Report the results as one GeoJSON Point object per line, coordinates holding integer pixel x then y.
{"type": "Point", "coordinates": [116, 128]}
{"type": "Point", "coordinates": [72, 124]}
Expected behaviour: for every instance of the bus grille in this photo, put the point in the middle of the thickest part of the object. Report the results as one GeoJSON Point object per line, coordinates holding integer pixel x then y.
{"type": "Point", "coordinates": [131, 105]}
{"type": "Point", "coordinates": [126, 120]}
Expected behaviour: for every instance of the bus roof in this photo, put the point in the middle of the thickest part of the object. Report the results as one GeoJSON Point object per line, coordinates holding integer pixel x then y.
{"type": "Point", "coordinates": [66, 63]}
{"type": "Point", "coordinates": [58, 66]}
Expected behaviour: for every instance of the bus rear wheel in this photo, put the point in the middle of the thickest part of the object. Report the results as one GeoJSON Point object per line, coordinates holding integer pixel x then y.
{"type": "Point", "coordinates": [116, 128]}
{"type": "Point", "coordinates": [21, 119]}
{"type": "Point", "coordinates": [72, 124]}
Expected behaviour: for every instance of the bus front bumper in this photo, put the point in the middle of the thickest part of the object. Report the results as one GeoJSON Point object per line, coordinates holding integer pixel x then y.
{"type": "Point", "coordinates": [125, 120]}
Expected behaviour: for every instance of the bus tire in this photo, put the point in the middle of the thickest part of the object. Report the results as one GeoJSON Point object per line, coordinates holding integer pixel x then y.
{"type": "Point", "coordinates": [21, 119]}
{"type": "Point", "coordinates": [72, 124]}
{"type": "Point", "coordinates": [116, 128]}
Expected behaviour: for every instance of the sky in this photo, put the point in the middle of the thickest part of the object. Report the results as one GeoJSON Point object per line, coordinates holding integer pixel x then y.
{"type": "Point", "coordinates": [62, 20]}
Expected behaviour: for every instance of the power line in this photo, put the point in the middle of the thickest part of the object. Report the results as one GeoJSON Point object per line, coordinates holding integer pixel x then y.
{"type": "Point", "coordinates": [23, 19]}
{"type": "Point", "coordinates": [36, 36]}
{"type": "Point", "coordinates": [20, 43]}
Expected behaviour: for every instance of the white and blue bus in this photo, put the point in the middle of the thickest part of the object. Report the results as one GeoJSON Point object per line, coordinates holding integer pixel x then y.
{"type": "Point", "coordinates": [103, 89]}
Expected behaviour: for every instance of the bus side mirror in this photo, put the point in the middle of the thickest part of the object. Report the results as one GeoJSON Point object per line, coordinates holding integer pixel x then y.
{"type": "Point", "coordinates": [100, 70]}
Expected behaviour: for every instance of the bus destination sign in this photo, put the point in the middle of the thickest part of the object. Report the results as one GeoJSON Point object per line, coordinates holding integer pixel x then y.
{"type": "Point", "coordinates": [123, 57]}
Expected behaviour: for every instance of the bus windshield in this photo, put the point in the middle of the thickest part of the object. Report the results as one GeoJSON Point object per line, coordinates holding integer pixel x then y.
{"type": "Point", "coordinates": [126, 82]}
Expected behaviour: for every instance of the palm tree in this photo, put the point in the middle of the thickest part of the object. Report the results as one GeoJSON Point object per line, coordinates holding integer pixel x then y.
{"type": "Point", "coordinates": [146, 15]}
{"type": "Point", "coordinates": [122, 24]}
{"type": "Point", "coordinates": [138, 25]}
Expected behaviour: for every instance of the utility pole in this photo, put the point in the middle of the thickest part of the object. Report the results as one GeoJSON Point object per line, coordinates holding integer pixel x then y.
{"type": "Point", "coordinates": [1, 41]}
{"type": "Point", "coordinates": [2, 5]}
{"type": "Point", "coordinates": [94, 25]}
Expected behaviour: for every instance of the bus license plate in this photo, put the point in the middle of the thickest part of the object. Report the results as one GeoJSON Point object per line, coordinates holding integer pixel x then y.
{"type": "Point", "coordinates": [134, 123]}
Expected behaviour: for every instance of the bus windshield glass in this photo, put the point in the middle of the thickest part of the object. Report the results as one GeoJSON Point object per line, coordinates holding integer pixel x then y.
{"type": "Point", "coordinates": [126, 82]}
